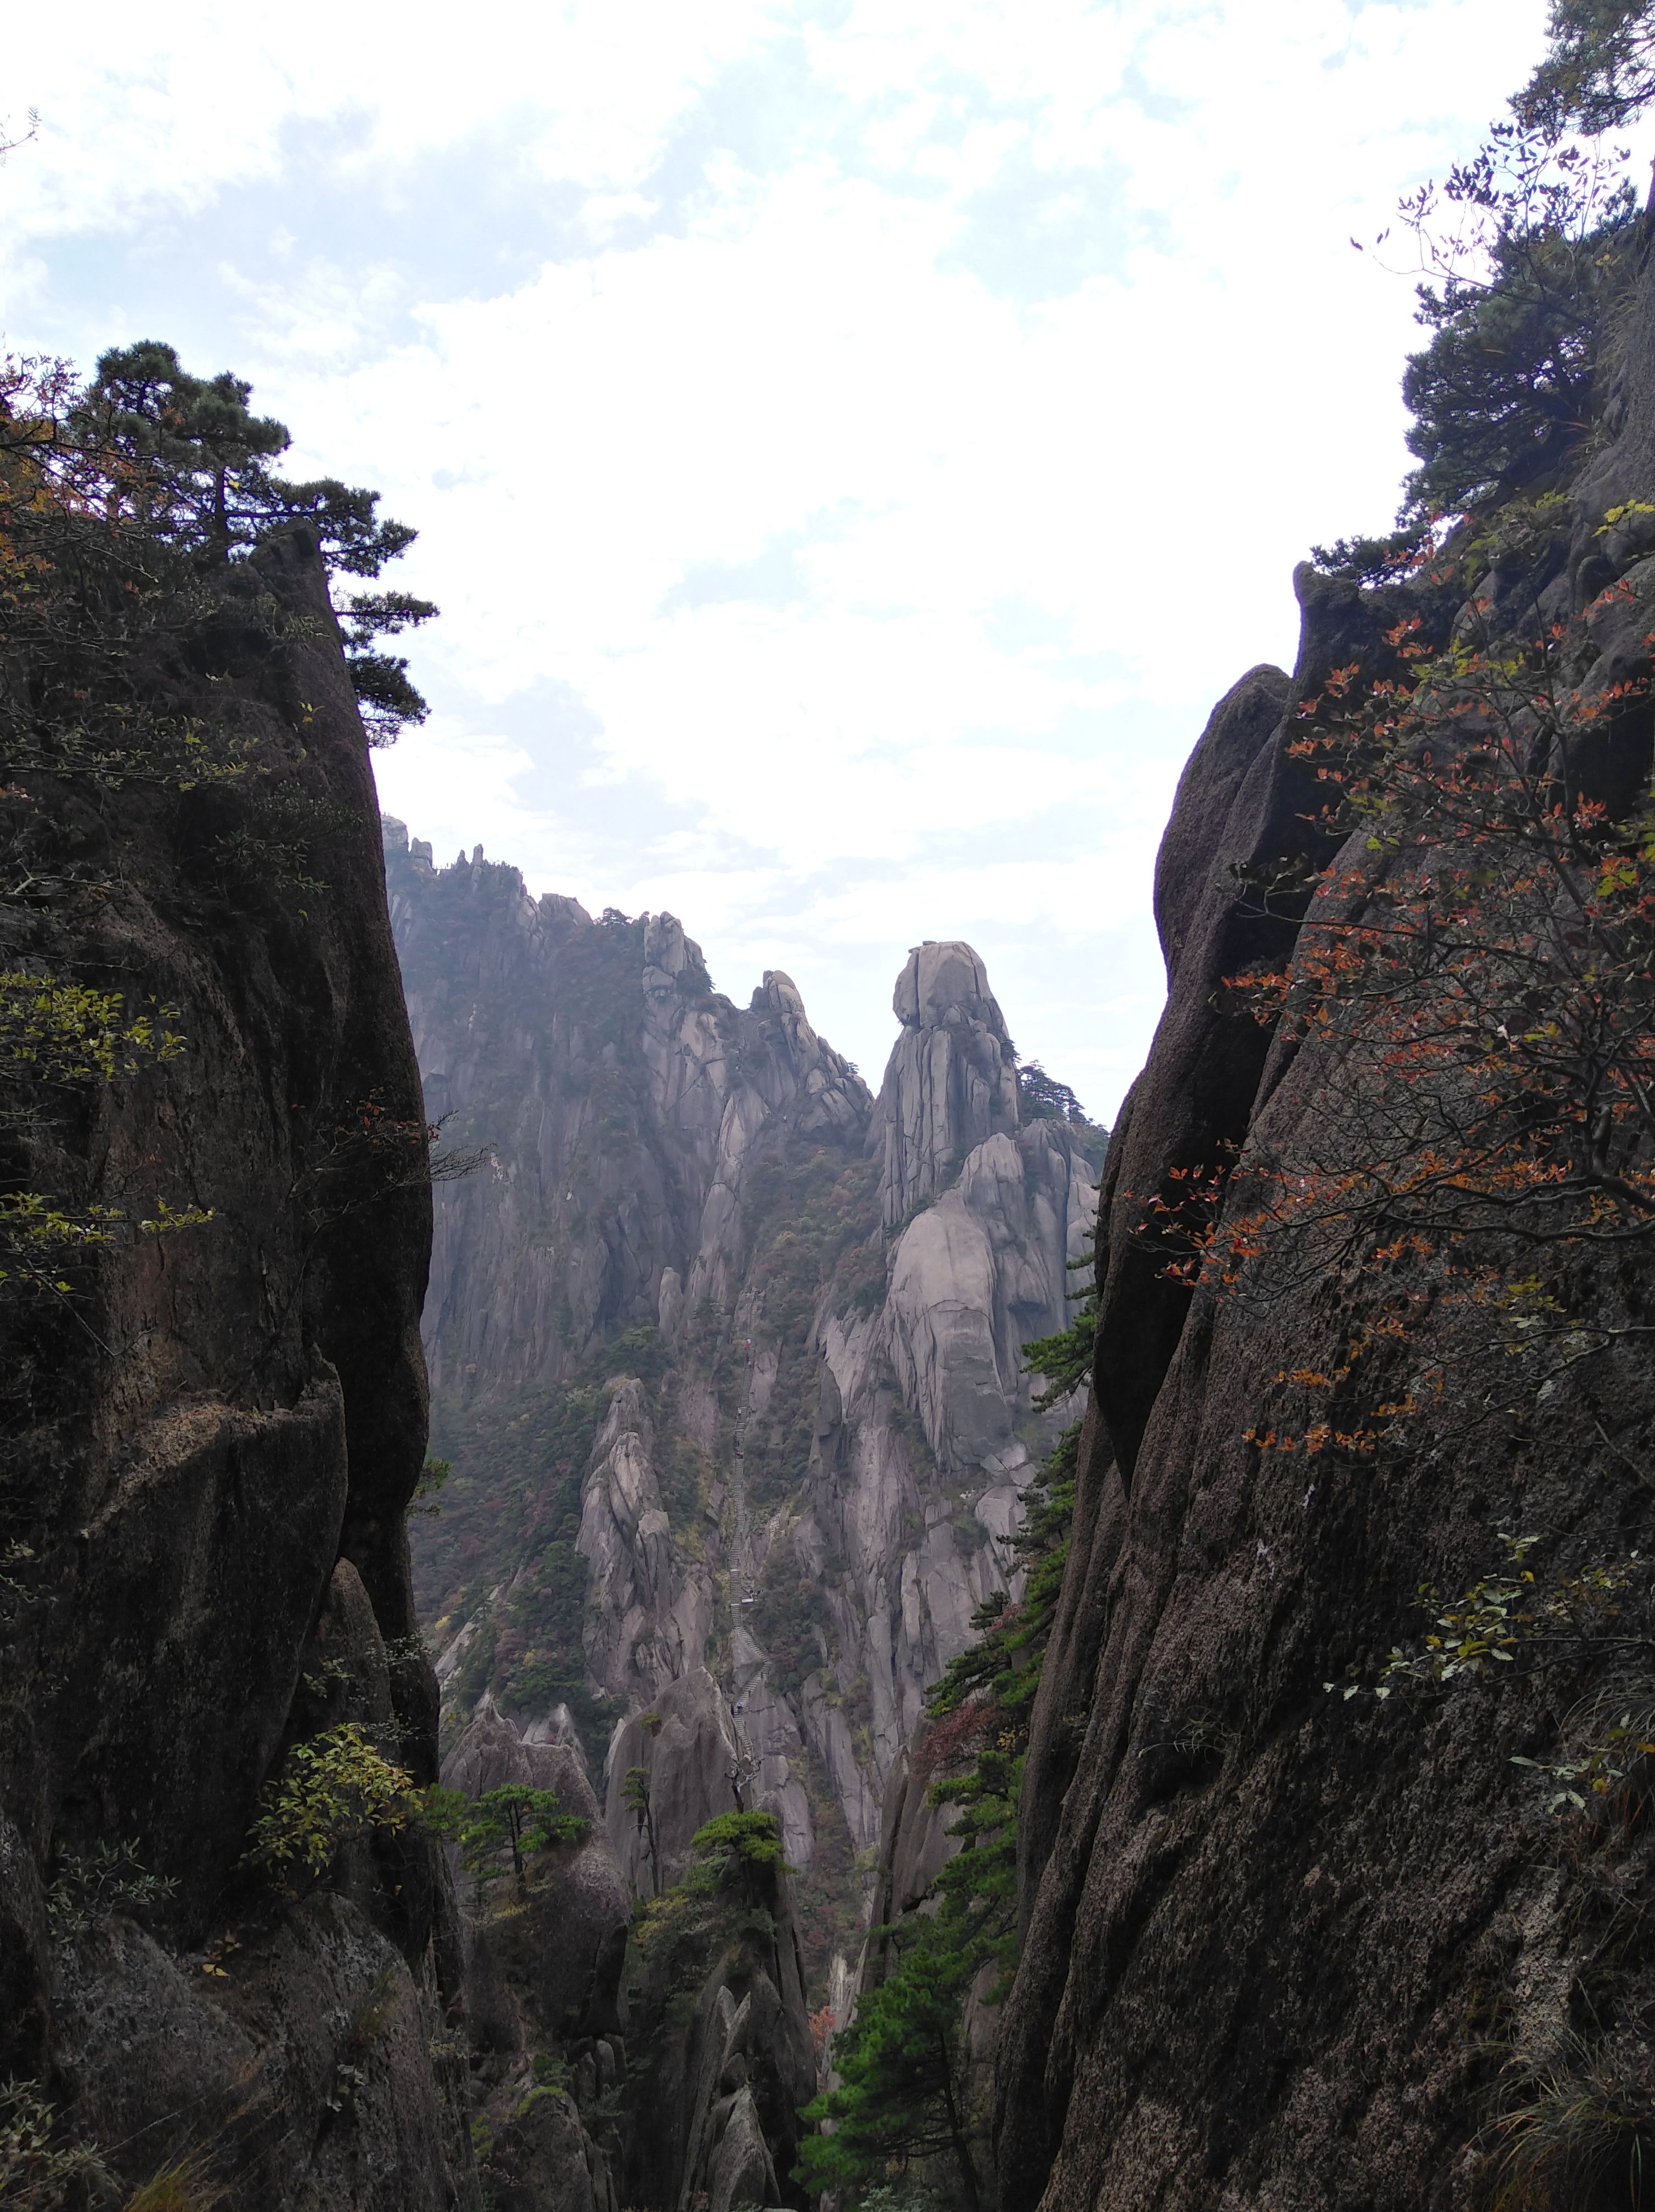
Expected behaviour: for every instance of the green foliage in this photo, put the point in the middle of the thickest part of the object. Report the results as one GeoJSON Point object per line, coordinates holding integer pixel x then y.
{"type": "Point", "coordinates": [506, 1823]}
{"type": "Point", "coordinates": [1613, 1738]}
{"type": "Point", "coordinates": [739, 1839]}
{"type": "Point", "coordinates": [432, 1477]}
{"type": "Point", "coordinates": [58, 1038]}
{"type": "Point", "coordinates": [179, 467]}
{"type": "Point", "coordinates": [902, 2061]}
{"type": "Point", "coordinates": [1370, 561]}
{"type": "Point", "coordinates": [336, 1787]}
{"type": "Point", "coordinates": [1483, 1624]}
{"type": "Point", "coordinates": [1065, 1359]}
{"type": "Point", "coordinates": [1041, 1097]}
{"type": "Point", "coordinates": [1495, 1619]}
{"type": "Point", "coordinates": [184, 2183]}
{"type": "Point", "coordinates": [511, 1821]}
{"type": "Point", "coordinates": [1539, 254]}
{"type": "Point", "coordinates": [1574, 2122]}
{"type": "Point", "coordinates": [1598, 71]}
{"type": "Point", "coordinates": [58, 1033]}
{"type": "Point", "coordinates": [634, 1794]}
{"type": "Point", "coordinates": [196, 472]}
{"type": "Point", "coordinates": [902, 2068]}
{"type": "Point", "coordinates": [38, 2174]}
{"type": "Point", "coordinates": [388, 699]}
{"type": "Point", "coordinates": [122, 506]}
{"type": "Point", "coordinates": [109, 1878]}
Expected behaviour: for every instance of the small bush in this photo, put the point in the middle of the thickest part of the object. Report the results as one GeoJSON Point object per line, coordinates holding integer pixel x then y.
{"type": "Point", "coordinates": [750, 1838]}
{"type": "Point", "coordinates": [110, 1878]}
{"type": "Point", "coordinates": [37, 2175]}
{"type": "Point", "coordinates": [336, 1787]}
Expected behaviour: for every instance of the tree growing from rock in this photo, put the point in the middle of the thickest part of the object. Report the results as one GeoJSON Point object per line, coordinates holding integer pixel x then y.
{"type": "Point", "coordinates": [507, 1823]}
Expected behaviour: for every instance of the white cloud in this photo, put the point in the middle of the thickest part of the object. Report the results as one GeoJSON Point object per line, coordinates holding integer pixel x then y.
{"type": "Point", "coordinates": [852, 446]}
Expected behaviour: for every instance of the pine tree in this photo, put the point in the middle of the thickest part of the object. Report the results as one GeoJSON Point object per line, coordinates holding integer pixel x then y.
{"type": "Point", "coordinates": [190, 466]}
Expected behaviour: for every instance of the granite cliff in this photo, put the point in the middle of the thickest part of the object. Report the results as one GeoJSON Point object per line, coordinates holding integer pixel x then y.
{"type": "Point", "coordinates": [210, 1440]}
{"type": "Point", "coordinates": [726, 1353]}
{"type": "Point", "coordinates": [1285, 1947]}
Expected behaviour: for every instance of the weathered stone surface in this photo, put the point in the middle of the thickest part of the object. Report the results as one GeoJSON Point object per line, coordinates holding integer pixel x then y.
{"type": "Point", "coordinates": [651, 1607]}
{"type": "Point", "coordinates": [1268, 1931]}
{"type": "Point", "coordinates": [902, 1530]}
{"type": "Point", "coordinates": [686, 1744]}
{"type": "Point", "coordinates": [545, 2161]}
{"type": "Point", "coordinates": [728, 2083]}
{"type": "Point", "coordinates": [320, 2037]}
{"type": "Point", "coordinates": [209, 1453]}
{"type": "Point", "coordinates": [569, 1935]}
{"type": "Point", "coordinates": [978, 1275]}
{"type": "Point", "coordinates": [619, 1097]}
{"type": "Point", "coordinates": [951, 1083]}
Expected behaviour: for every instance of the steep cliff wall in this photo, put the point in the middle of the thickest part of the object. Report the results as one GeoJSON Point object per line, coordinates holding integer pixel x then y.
{"type": "Point", "coordinates": [210, 1439]}
{"type": "Point", "coordinates": [1285, 1948]}
{"type": "Point", "coordinates": [727, 1355]}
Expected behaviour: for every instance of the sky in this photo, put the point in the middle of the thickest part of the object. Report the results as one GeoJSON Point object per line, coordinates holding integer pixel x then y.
{"type": "Point", "coordinates": [853, 443]}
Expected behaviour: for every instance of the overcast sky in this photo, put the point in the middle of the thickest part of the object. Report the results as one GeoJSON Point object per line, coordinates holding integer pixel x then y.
{"type": "Point", "coordinates": [853, 442]}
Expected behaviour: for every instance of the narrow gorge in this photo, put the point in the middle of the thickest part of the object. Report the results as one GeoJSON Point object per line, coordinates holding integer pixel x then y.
{"type": "Point", "coordinates": [596, 1616]}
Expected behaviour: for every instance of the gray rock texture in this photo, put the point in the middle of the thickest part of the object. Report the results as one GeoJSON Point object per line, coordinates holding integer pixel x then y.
{"type": "Point", "coordinates": [719, 2124]}
{"type": "Point", "coordinates": [543, 1960]}
{"type": "Point", "coordinates": [952, 1080]}
{"type": "Point", "coordinates": [1282, 1949]}
{"type": "Point", "coordinates": [210, 1446]}
{"type": "Point", "coordinates": [789, 1511]}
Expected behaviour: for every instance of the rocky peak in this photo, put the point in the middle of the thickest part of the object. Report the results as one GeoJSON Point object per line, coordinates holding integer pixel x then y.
{"type": "Point", "coordinates": [781, 1504]}
{"type": "Point", "coordinates": [623, 1102]}
{"type": "Point", "coordinates": [944, 985]}
{"type": "Point", "coordinates": [951, 1082]}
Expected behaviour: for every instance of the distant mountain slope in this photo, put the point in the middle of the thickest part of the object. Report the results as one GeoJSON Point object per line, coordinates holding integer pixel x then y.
{"type": "Point", "coordinates": [724, 1350]}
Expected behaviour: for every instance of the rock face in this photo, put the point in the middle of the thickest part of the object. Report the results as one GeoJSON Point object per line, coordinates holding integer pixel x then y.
{"type": "Point", "coordinates": [209, 1449]}
{"type": "Point", "coordinates": [543, 1960]}
{"type": "Point", "coordinates": [720, 2080]}
{"type": "Point", "coordinates": [951, 1082]}
{"type": "Point", "coordinates": [620, 1095]}
{"type": "Point", "coordinates": [748, 1337]}
{"type": "Point", "coordinates": [1279, 1946]}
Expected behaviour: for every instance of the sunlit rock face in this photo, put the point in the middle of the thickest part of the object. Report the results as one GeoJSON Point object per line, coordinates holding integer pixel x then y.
{"type": "Point", "coordinates": [791, 1318]}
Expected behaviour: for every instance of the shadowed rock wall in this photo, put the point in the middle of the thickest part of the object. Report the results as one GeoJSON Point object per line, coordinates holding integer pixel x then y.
{"type": "Point", "coordinates": [1280, 1947]}
{"type": "Point", "coordinates": [209, 1447]}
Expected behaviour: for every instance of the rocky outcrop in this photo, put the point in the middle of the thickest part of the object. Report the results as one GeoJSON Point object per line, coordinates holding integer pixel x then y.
{"type": "Point", "coordinates": [952, 1080]}
{"type": "Point", "coordinates": [720, 2091]}
{"type": "Point", "coordinates": [788, 1514]}
{"type": "Point", "coordinates": [209, 1443]}
{"type": "Point", "coordinates": [649, 1606]}
{"type": "Point", "coordinates": [1282, 1949]}
{"type": "Point", "coordinates": [544, 2013]}
{"type": "Point", "coordinates": [977, 1276]}
{"type": "Point", "coordinates": [618, 1097]}
{"type": "Point", "coordinates": [687, 1750]}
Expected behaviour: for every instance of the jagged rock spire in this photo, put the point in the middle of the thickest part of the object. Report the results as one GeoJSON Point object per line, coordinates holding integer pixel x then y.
{"type": "Point", "coordinates": [951, 1082]}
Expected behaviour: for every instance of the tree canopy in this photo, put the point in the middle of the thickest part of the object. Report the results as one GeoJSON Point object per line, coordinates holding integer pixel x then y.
{"type": "Point", "coordinates": [1599, 68]}
{"type": "Point", "coordinates": [175, 469]}
{"type": "Point", "coordinates": [1531, 244]}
